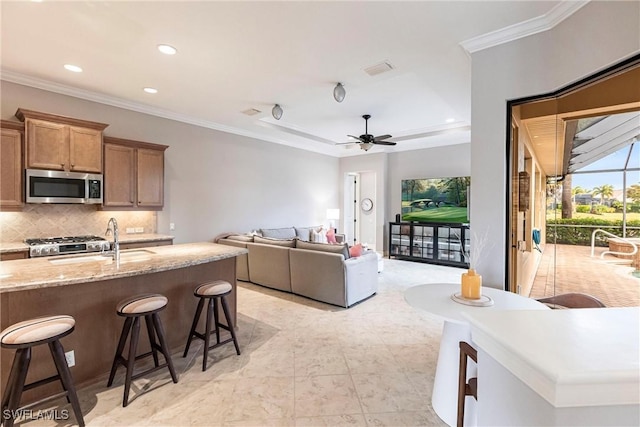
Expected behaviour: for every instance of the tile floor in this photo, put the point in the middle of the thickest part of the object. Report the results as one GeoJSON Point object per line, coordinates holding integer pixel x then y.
{"type": "Point", "coordinates": [570, 268]}
{"type": "Point", "coordinates": [303, 363]}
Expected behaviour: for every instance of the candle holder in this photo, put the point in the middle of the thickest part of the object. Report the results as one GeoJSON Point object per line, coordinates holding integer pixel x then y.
{"type": "Point", "coordinates": [471, 285]}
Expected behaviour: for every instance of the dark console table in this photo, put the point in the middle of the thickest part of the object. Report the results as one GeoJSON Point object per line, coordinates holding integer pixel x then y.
{"type": "Point", "coordinates": [435, 243]}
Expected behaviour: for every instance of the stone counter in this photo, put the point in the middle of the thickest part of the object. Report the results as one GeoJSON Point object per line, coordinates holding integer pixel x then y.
{"type": "Point", "coordinates": [47, 272]}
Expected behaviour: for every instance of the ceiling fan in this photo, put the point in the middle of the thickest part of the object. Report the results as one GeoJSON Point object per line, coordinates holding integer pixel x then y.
{"type": "Point", "coordinates": [366, 141]}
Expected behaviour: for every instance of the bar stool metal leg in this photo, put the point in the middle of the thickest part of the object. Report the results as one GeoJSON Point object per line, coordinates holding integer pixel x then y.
{"type": "Point", "coordinates": [193, 326]}
{"type": "Point", "coordinates": [165, 348]}
{"type": "Point", "coordinates": [133, 346]}
{"type": "Point", "coordinates": [227, 315]}
{"type": "Point", "coordinates": [65, 377]}
{"type": "Point", "coordinates": [21, 362]}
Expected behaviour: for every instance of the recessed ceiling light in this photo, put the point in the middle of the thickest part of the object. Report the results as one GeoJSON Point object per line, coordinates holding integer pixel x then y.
{"type": "Point", "coordinates": [450, 120]}
{"type": "Point", "coordinates": [73, 68]}
{"type": "Point", "coordinates": [167, 50]}
{"type": "Point", "coordinates": [150, 90]}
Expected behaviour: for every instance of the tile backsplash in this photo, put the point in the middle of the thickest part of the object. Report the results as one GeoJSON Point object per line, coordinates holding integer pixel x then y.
{"type": "Point", "coordinates": [38, 220]}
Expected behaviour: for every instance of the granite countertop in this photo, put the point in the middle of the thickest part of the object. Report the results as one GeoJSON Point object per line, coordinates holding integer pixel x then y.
{"type": "Point", "coordinates": [35, 273]}
{"type": "Point", "coordinates": [585, 357]}
{"type": "Point", "coordinates": [8, 247]}
{"type": "Point", "coordinates": [138, 238]}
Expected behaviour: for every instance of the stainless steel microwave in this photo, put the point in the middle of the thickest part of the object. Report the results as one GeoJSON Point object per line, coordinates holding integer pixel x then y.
{"type": "Point", "coordinates": [44, 186]}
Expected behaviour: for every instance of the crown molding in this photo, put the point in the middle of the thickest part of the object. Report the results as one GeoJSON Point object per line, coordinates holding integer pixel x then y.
{"type": "Point", "coordinates": [545, 22]}
{"type": "Point", "coordinates": [21, 79]}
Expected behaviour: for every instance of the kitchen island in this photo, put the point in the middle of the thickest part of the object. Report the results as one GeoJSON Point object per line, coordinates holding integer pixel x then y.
{"type": "Point", "coordinates": [558, 367]}
{"type": "Point", "coordinates": [88, 287]}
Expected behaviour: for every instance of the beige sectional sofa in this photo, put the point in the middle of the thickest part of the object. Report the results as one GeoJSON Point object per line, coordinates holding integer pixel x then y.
{"type": "Point", "coordinates": [320, 271]}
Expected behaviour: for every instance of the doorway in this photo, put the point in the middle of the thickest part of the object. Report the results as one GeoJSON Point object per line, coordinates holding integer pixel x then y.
{"type": "Point", "coordinates": [359, 224]}
{"type": "Point", "coordinates": [556, 140]}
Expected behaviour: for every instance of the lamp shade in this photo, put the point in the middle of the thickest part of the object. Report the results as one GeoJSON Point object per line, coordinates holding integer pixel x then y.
{"type": "Point", "coordinates": [276, 112]}
{"type": "Point", "coordinates": [333, 213]}
{"type": "Point", "coordinates": [339, 93]}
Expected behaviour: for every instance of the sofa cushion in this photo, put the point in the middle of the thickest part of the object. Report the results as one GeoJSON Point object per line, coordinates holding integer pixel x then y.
{"type": "Point", "coordinates": [355, 250]}
{"type": "Point", "coordinates": [331, 236]}
{"type": "Point", "coordinates": [324, 247]}
{"type": "Point", "coordinates": [279, 233]}
{"type": "Point", "coordinates": [318, 235]}
{"type": "Point", "coordinates": [288, 243]}
{"type": "Point", "coordinates": [240, 237]}
{"type": "Point", "coordinates": [304, 233]}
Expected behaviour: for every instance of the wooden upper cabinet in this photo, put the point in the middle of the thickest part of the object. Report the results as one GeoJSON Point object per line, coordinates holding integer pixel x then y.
{"type": "Point", "coordinates": [85, 149]}
{"type": "Point", "coordinates": [119, 176]}
{"type": "Point", "coordinates": [61, 143]}
{"type": "Point", "coordinates": [11, 176]}
{"type": "Point", "coordinates": [133, 174]}
{"type": "Point", "coordinates": [46, 145]}
{"type": "Point", "coordinates": [150, 178]}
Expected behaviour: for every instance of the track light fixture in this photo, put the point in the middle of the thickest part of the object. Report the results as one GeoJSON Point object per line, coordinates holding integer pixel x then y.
{"type": "Point", "coordinates": [277, 111]}
{"type": "Point", "coordinates": [339, 93]}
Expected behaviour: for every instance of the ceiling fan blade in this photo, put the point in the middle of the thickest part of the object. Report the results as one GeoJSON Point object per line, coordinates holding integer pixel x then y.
{"type": "Point", "coordinates": [347, 143]}
{"type": "Point", "coordinates": [384, 142]}
{"type": "Point", "coordinates": [381, 137]}
{"type": "Point", "coordinates": [357, 138]}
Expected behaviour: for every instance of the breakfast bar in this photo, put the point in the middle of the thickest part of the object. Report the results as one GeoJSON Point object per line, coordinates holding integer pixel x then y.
{"type": "Point", "coordinates": [88, 287]}
{"type": "Point", "coordinates": [558, 367]}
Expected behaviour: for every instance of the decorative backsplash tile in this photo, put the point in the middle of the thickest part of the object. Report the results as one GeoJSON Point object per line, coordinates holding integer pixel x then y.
{"type": "Point", "coordinates": [68, 220]}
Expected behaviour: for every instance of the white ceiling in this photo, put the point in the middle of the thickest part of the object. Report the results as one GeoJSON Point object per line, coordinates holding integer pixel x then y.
{"type": "Point", "coordinates": [233, 56]}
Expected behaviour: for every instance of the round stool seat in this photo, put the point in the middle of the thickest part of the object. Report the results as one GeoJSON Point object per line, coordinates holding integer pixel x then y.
{"type": "Point", "coordinates": [38, 330]}
{"type": "Point", "coordinates": [211, 289]}
{"type": "Point", "coordinates": [142, 304]}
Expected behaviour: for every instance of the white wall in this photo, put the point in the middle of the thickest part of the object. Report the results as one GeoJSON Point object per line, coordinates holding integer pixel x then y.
{"type": "Point", "coordinates": [598, 35]}
{"type": "Point", "coordinates": [214, 181]}
{"type": "Point", "coordinates": [439, 162]}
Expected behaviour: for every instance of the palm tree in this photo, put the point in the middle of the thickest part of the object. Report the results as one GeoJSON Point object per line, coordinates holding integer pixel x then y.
{"type": "Point", "coordinates": [605, 191]}
{"type": "Point", "coordinates": [567, 197]}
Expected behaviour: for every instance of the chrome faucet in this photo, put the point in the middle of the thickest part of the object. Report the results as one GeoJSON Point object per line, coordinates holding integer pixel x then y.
{"type": "Point", "coordinates": [112, 227]}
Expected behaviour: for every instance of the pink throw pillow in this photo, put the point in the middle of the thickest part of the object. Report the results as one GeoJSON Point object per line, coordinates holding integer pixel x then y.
{"type": "Point", "coordinates": [355, 251]}
{"type": "Point", "coordinates": [331, 236]}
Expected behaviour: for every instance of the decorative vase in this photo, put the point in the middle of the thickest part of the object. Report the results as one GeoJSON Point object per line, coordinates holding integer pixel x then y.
{"type": "Point", "coordinates": [471, 285]}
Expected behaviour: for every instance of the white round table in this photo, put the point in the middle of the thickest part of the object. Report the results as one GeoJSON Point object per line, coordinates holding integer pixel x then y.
{"type": "Point", "coordinates": [436, 299]}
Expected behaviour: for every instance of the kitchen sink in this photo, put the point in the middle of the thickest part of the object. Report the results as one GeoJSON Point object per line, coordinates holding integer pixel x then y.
{"type": "Point", "coordinates": [136, 255]}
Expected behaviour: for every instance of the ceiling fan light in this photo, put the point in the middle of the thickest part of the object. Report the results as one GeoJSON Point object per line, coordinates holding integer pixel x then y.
{"type": "Point", "coordinates": [366, 146]}
{"type": "Point", "coordinates": [339, 93]}
{"type": "Point", "coordinates": [277, 111]}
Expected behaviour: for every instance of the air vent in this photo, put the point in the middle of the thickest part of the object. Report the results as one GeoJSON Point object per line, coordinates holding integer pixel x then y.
{"type": "Point", "coordinates": [251, 112]}
{"type": "Point", "coordinates": [380, 68]}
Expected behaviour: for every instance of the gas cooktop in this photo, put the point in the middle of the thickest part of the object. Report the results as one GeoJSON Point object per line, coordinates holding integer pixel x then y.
{"type": "Point", "coordinates": [48, 246]}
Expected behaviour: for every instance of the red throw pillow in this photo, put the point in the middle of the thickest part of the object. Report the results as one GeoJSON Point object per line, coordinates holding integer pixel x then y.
{"type": "Point", "coordinates": [355, 250]}
{"type": "Point", "coordinates": [331, 236]}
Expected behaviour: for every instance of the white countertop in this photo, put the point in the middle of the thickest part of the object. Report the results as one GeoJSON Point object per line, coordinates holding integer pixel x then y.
{"type": "Point", "coordinates": [579, 357]}
{"type": "Point", "coordinates": [436, 299]}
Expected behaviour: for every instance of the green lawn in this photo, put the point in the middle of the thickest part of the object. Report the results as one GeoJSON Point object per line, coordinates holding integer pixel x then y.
{"type": "Point", "coordinates": [631, 216]}
{"type": "Point", "coordinates": [442, 214]}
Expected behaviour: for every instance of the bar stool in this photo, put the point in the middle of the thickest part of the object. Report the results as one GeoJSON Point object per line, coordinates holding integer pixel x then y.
{"type": "Point", "coordinates": [466, 387]}
{"type": "Point", "coordinates": [218, 289]}
{"type": "Point", "coordinates": [23, 336]}
{"type": "Point", "coordinates": [147, 305]}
